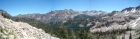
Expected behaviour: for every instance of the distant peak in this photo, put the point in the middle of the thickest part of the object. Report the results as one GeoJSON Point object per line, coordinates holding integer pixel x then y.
{"type": "Point", "coordinates": [2, 10]}
{"type": "Point", "coordinates": [138, 7]}
{"type": "Point", "coordinates": [128, 9]}
{"type": "Point", "coordinates": [131, 8]}
{"type": "Point", "coordinates": [114, 11]}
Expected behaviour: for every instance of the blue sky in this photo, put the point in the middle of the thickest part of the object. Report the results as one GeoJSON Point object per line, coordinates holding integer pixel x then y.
{"type": "Point", "coordinates": [15, 7]}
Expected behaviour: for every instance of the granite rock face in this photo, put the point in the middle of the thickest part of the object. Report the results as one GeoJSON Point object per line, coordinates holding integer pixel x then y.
{"type": "Point", "coordinates": [19, 30]}
{"type": "Point", "coordinates": [118, 20]}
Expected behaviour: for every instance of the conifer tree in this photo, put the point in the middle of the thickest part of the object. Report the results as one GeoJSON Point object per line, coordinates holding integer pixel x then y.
{"type": "Point", "coordinates": [138, 37]}
{"type": "Point", "coordinates": [83, 34]}
{"type": "Point", "coordinates": [98, 37]}
{"type": "Point", "coordinates": [130, 36]}
{"type": "Point", "coordinates": [17, 19]}
{"type": "Point", "coordinates": [64, 31]}
{"type": "Point", "coordinates": [123, 37]}
{"type": "Point", "coordinates": [114, 37]}
{"type": "Point", "coordinates": [73, 34]}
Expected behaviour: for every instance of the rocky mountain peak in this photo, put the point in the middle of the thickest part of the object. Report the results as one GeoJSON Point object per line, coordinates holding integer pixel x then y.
{"type": "Point", "coordinates": [62, 15]}
{"type": "Point", "coordinates": [127, 17]}
{"type": "Point", "coordinates": [129, 9]}
{"type": "Point", "coordinates": [138, 7]}
{"type": "Point", "coordinates": [114, 11]}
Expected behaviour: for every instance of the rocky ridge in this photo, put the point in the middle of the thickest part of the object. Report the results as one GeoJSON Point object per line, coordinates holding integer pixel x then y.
{"type": "Point", "coordinates": [19, 30]}
{"type": "Point", "coordinates": [128, 17]}
{"type": "Point", "coordinates": [62, 15]}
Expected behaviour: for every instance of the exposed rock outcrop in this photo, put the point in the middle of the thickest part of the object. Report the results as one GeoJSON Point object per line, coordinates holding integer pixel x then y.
{"type": "Point", "coordinates": [119, 20]}
{"type": "Point", "coordinates": [18, 30]}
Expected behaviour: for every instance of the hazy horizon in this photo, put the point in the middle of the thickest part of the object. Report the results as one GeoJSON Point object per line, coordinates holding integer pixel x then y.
{"type": "Point", "coordinates": [15, 7]}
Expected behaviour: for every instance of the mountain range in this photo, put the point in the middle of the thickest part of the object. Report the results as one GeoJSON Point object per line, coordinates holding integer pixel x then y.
{"type": "Point", "coordinates": [97, 21]}
{"type": "Point", "coordinates": [61, 16]}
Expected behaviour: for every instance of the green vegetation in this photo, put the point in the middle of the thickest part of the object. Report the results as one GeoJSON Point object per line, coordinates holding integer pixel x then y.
{"type": "Point", "coordinates": [77, 22]}
{"type": "Point", "coordinates": [48, 28]}
{"type": "Point", "coordinates": [73, 36]}
{"type": "Point", "coordinates": [17, 19]}
{"type": "Point", "coordinates": [123, 37]}
{"type": "Point", "coordinates": [138, 37]}
{"type": "Point", "coordinates": [1, 32]}
{"type": "Point", "coordinates": [6, 15]}
{"type": "Point", "coordinates": [114, 37]}
{"type": "Point", "coordinates": [130, 36]}
{"type": "Point", "coordinates": [63, 33]}
{"type": "Point", "coordinates": [110, 34]}
{"type": "Point", "coordinates": [113, 32]}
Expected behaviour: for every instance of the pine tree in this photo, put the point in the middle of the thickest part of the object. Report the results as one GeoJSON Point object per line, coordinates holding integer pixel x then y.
{"type": "Point", "coordinates": [138, 37]}
{"type": "Point", "coordinates": [114, 37]}
{"type": "Point", "coordinates": [123, 37]}
{"type": "Point", "coordinates": [127, 28]}
{"type": "Point", "coordinates": [17, 19]}
{"type": "Point", "coordinates": [130, 37]}
{"type": "Point", "coordinates": [83, 34]}
{"type": "Point", "coordinates": [5, 15]}
{"type": "Point", "coordinates": [64, 31]}
{"type": "Point", "coordinates": [73, 34]}
{"type": "Point", "coordinates": [98, 37]}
